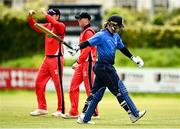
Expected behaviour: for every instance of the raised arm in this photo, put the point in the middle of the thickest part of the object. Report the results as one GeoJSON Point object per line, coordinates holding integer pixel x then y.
{"type": "Point", "coordinates": [60, 27]}
{"type": "Point", "coordinates": [32, 21]}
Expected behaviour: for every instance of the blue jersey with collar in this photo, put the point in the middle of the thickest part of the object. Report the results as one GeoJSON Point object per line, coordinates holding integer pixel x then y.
{"type": "Point", "coordinates": [106, 43]}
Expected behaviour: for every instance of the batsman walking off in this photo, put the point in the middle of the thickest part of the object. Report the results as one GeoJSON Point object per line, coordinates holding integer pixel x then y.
{"type": "Point", "coordinates": [107, 41]}
{"type": "Point", "coordinates": [83, 67]}
{"type": "Point", "coordinates": [52, 65]}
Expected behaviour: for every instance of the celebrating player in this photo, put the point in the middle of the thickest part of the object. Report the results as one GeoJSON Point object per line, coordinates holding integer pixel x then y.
{"type": "Point", "coordinates": [83, 67]}
{"type": "Point", "coordinates": [52, 65]}
{"type": "Point", "coordinates": [107, 41]}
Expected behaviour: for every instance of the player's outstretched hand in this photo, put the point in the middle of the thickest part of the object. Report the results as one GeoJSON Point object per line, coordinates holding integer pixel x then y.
{"type": "Point", "coordinates": [43, 11]}
{"type": "Point", "coordinates": [75, 65]}
{"type": "Point", "coordinates": [31, 12]}
{"type": "Point", "coordinates": [138, 61]}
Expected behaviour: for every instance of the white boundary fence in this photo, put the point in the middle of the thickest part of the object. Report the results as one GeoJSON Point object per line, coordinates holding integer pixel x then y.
{"type": "Point", "coordinates": [140, 80]}
{"type": "Point", "coordinates": [161, 80]}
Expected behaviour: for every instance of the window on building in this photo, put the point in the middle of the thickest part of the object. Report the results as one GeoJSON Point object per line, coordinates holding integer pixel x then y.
{"type": "Point", "coordinates": [161, 3]}
{"type": "Point", "coordinates": [131, 4]}
{"type": "Point", "coordinates": [7, 2]}
{"type": "Point", "coordinates": [63, 1]}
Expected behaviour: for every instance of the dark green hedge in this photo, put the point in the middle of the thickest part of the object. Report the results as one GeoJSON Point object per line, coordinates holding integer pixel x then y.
{"type": "Point", "coordinates": [17, 39]}
{"type": "Point", "coordinates": [149, 36]}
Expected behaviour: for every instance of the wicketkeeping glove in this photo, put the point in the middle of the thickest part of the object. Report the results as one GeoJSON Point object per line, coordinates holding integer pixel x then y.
{"type": "Point", "coordinates": [138, 61]}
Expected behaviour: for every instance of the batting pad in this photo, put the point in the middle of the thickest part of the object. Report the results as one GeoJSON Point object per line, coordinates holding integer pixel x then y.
{"type": "Point", "coordinates": [87, 103]}
{"type": "Point", "coordinates": [125, 96]}
{"type": "Point", "coordinates": [97, 97]}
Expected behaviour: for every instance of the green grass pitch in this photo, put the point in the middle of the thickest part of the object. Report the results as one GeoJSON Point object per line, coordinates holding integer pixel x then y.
{"type": "Point", "coordinates": [163, 111]}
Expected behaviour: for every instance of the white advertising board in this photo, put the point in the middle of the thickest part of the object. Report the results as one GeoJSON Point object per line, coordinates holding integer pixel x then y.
{"type": "Point", "coordinates": [165, 80]}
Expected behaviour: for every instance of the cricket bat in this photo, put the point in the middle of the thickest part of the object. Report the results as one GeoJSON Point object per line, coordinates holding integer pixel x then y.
{"type": "Point", "coordinates": [47, 31]}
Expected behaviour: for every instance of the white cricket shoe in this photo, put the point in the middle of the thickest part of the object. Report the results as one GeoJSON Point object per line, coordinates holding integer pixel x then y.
{"type": "Point", "coordinates": [38, 112]}
{"type": "Point", "coordinates": [134, 119]}
{"type": "Point", "coordinates": [69, 116]}
{"type": "Point", "coordinates": [80, 120]}
{"type": "Point", "coordinates": [58, 114]}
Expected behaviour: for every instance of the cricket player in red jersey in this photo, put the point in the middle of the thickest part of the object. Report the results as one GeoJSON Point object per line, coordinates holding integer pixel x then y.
{"type": "Point", "coordinates": [83, 67]}
{"type": "Point", "coordinates": [52, 65]}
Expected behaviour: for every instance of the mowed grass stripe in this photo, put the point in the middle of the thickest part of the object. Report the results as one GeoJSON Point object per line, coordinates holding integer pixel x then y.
{"type": "Point", "coordinates": [163, 111]}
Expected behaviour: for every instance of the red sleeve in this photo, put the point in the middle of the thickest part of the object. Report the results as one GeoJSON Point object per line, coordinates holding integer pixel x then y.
{"type": "Point", "coordinates": [85, 52]}
{"type": "Point", "coordinates": [60, 27]}
{"type": "Point", "coordinates": [32, 21]}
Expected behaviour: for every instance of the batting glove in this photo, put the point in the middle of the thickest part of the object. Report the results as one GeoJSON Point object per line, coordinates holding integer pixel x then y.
{"type": "Point", "coordinates": [138, 61]}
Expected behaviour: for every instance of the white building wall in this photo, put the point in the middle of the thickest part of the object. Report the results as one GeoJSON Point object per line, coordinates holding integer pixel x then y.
{"type": "Point", "coordinates": [106, 4]}
{"type": "Point", "coordinates": [17, 3]}
{"type": "Point", "coordinates": [144, 5]}
{"type": "Point", "coordinates": [173, 4]}
{"type": "Point", "coordinates": [141, 4]}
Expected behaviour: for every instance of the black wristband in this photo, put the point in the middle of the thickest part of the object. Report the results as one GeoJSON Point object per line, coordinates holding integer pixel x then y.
{"type": "Point", "coordinates": [84, 45]}
{"type": "Point", "coordinates": [126, 52]}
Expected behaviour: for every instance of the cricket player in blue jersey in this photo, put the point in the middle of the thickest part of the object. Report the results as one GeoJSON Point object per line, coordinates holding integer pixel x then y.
{"type": "Point", "coordinates": [107, 41]}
